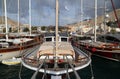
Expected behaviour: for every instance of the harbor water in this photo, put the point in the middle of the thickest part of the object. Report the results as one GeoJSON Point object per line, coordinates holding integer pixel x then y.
{"type": "Point", "coordinates": [102, 69]}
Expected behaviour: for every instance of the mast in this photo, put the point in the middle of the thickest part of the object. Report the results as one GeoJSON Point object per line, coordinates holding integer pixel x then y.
{"type": "Point", "coordinates": [30, 16]}
{"type": "Point", "coordinates": [95, 21]}
{"type": "Point", "coordinates": [2, 12]}
{"type": "Point", "coordinates": [105, 16]}
{"type": "Point", "coordinates": [6, 19]}
{"type": "Point", "coordinates": [18, 16]}
{"type": "Point", "coordinates": [81, 15]}
{"type": "Point", "coordinates": [56, 31]}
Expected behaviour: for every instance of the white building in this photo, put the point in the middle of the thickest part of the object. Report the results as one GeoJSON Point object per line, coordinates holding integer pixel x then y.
{"type": "Point", "coordinates": [1, 27]}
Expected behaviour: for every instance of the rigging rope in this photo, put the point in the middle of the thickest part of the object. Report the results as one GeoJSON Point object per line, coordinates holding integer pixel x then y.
{"type": "Point", "coordinates": [20, 71]}
{"type": "Point", "coordinates": [35, 74]}
{"type": "Point", "coordinates": [22, 54]}
{"type": "Point", "coordinates": [67, 74]}
{"type": "Point", "coordinates": [45, 75]}
{"type": "Point", "coordinates": [91, 69]}
{"type": "Point", "coordinates": [115, 13]}
{"type": "Point", "coordinates": [71, 65]}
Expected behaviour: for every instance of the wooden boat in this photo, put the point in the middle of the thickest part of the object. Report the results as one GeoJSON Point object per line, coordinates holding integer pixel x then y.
{"type": "Point", "coordinates": [47, 60]}
{"type": "Point", "coordinates": [12, 61]}
{"type": "Point", "coordinates": [108, 49]}
{"type": "Point", "coordinates": [15, 47]}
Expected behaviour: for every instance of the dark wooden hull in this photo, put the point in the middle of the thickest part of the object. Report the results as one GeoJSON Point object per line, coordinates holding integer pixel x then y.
{"type": "Point", "coordinates": [108, 53]}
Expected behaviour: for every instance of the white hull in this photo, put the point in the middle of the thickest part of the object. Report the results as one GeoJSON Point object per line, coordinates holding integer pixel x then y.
{"type": "Point", "coordinates": [13, 61]}
{"type": "Point", "coordinates": [56, 72]}
{"type": "Point", "coordinates": [8, 55]}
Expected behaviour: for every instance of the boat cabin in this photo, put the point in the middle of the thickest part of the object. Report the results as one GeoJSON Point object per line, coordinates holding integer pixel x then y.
{"type": "Point", "coordinates": [51, 37]}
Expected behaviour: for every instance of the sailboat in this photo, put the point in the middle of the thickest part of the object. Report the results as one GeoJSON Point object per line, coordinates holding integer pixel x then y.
{"type": "Point", "coordinates": [16, 45]}
{"type": "Point", "coordinates": [56, 56]}
{"type": "Point", "coordinates": [104, 47]}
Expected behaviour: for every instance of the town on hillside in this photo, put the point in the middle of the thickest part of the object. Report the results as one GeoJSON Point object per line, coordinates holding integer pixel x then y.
{"type": "Point", "coordinates": [104, 23]}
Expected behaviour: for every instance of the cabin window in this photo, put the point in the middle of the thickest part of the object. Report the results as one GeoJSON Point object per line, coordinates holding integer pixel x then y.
{"type": "Point", "coordinates": [48, 39]}
{"type": "Point", "coordinates": [83, 38]}
{"type": "Point", "coordinates": [63, 39]}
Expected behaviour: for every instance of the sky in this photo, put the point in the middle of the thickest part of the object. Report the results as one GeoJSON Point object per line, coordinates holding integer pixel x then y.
{"type": "Point", "coordinates": [43, 11]}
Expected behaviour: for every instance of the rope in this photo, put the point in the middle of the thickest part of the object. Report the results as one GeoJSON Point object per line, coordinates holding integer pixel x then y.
{"type": "Point", "coordinates": [44, 76]}
{"type": "Point", "coordinates": [75, 72]}
{"type": "Point", "coordinates": [67, 74]}
{"type": "Point", "coordinates": [91, 71]}
{"type": "Point", "coordinates": [35, 74]}
{"type": "Point", "coordinates": [22, 56]}
{"type": "Point", "coordinates": [20, 71]}
{"type": "Point", "coordinates": [115, 13]}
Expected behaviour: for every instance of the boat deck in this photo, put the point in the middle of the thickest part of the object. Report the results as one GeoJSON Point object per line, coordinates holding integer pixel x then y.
{"type": "Point", "coordinates": [101, 44]}
{"type": "Point", "coordinates": [49, 49]}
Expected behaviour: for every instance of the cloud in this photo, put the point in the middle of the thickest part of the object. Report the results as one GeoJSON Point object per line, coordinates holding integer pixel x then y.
{"type": "Point", "coordinates": [66, 8]}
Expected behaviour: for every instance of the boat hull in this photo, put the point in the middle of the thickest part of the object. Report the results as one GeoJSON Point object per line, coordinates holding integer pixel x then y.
{"type": "Point", "coordinates": [108, 53]}
{"type": "Point", "coordinates": [52, 72]}
{"type": "Point", "coordinates": [13, 61]}
{"type": "Point", "coordinates": [8, 53]}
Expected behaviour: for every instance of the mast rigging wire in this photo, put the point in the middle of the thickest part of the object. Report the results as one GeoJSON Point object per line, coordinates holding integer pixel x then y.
{"type": "Point", "coordinates": [114, 9]}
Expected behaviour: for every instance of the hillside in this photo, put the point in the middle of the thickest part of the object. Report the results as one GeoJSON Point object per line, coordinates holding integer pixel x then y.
{"type": "Point", "coordinates": [10, 21]}
{"type": "Point", "coordinates": [100, 19]}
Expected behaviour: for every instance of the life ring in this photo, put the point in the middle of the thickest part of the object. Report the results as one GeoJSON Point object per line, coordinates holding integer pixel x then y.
{"type": "Point", "coordinates": [60, 60]}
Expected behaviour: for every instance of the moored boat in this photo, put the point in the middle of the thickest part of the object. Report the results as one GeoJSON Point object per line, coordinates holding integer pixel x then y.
{"type": "Point", "coordinates": [17, 46]}
{"type": "Point", "coordinates": [47, 60]}
{"type": "Point", "coordinates": [109, 50]}
{"type": "Point", "coordinates": [12, 61]}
